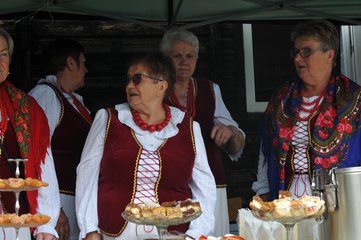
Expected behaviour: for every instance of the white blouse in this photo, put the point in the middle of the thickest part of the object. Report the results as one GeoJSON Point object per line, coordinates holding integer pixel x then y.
{"type": "Point", "coordinates": [47, 99]}
{"type": "Point", "coordinates": [202, 183]}
{"type": "Point", "coordinates": [222, 115]}
{"type": "Point", "coordinates": [49, 102]}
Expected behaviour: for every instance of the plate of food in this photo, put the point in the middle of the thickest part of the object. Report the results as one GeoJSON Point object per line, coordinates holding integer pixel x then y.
{"type": "Point", "coordinates": [20, 184]}
{"type": "Point", "coordinates": [163, 215]}
{"type": "Point", "coordinates": [24, 220]}
{"type": "Point", "coordinates": [287, 210]}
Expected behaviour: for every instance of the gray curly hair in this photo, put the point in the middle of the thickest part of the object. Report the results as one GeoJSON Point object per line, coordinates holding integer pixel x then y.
{"type": "Point", "coordinates": [178, 34]}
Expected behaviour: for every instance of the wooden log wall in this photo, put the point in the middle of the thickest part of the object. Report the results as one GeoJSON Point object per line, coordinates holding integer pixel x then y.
{"type": "Point", "coordinates": [109, 44]}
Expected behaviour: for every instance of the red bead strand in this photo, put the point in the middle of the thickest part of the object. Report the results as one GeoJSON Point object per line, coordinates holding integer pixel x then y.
{"type": "Point", "coordinates": [151, 128]}
{"type": "Point", "coordinates": [315, 101]}
{"type": "Point", "coordinates": [4, 119]}
{"type": "Point", "coordinates": [311, 110]}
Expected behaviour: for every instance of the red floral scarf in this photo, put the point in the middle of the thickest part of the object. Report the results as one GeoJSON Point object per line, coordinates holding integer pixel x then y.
{"type": "Point", "coordinates": [338, 119]}
{"type": "Point", "coordinates": [31, 129]}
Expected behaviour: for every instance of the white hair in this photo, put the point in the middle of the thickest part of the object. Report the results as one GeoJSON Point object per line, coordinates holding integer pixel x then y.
{"type": "Point", "coordinates": [9, 40]}
{"type": "Point", "coordinates": [178, 34]}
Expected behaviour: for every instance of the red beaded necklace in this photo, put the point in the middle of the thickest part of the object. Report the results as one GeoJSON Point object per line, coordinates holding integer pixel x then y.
{"type": "Point", "coordinates": [4, 119]}
{"type": "Point", "coordinates": [190, 106]}
{"type": "Point", "coordinates": [312, 110]}
{"type": "Point", "coordinates": [151, 128]}
{"type": "Point", "coordinates": [315, 101]}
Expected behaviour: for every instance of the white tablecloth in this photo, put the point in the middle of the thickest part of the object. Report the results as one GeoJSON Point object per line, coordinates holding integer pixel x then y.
{"type": "Point", "coordinates": [252, 228]}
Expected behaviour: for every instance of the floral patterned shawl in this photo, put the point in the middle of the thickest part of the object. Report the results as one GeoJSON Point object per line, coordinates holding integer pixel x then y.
{"type": "Point", "coordinates": [31, 129]}
{"type": "Point", "coordinates": [331, 131]}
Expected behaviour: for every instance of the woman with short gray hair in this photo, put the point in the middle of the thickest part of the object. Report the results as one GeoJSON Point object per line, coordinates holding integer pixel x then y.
{"type": "Point", "coordinates": [202, 100]}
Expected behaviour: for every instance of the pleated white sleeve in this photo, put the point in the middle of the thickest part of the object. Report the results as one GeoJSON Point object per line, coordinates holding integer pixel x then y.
{"type": "Point", "coordinates": [222, 115]}
{"type": "Point", "coordinates": [261, 186]}
{"type": "Point", "coordinates": [48, 197]}
{"type": "Point", "coordinates": [203, 189]}
{"type": "Point", "coordinates": [86, 195]}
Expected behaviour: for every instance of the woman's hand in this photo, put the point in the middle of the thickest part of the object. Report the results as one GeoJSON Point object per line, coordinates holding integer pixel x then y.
{"type": "Point", "coordinates": [221, 134]}
{"type": "Point", "coordinates": [93, 236]}
{"type": "Point", "coordinates": [228, 136]}
{"type": "Point", "coordinates": [45, 236]}
{"type": "Point", "coordinates": [264, 197]}
{"type": "Point", "coordinates": [62, 226]}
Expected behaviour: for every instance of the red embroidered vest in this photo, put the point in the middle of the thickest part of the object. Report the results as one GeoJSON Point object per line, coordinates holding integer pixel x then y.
{"type": "Point", "coordinates": [67, 143]}
{"type": "Point", "coordinates": [118, 169]}
{"type": "Point", "coordinates": [7, 170]}
{"type": "Point", "coordinates": [205, 108]}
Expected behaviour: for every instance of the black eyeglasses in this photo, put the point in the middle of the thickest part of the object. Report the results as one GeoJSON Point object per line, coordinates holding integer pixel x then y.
{"type": "Point", "coordinates": [306, 52]}
{"type": "Point", "coordinates": [136, 78]}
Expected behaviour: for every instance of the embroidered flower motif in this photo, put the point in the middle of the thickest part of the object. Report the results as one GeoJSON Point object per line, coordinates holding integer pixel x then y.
{"type": "Point", "coordinates": [325, 119]}
{"type": "Point", "coordinates": [285, 146]}
{"type": "Point", "coordinates": [287, 133]}
{"type": "Point", "coordinates": [344, 126]}
{"type": "Point", "coordinates": [333, 159]}
{"type": "Point", "coordinates": [332, 111]}
{"type": "Point", "coordinates": [318, 160]}
{"type": "Point", "coordinates": [19, 137]}
{"type": "Point", "coordinates": [340, 128]}
{"type": "Point", "coordinates": [18, 96]}
{"type": "Point", "coordinates": [323, 134]}
{"type": "Point", "coordinates": [25, 108]}
{"type": "Point", "coordinates": [326, 163]}
{"type": "Point", "coordinates": [348, 129]}
{"type": "Point", "coordinates": [21, 119]}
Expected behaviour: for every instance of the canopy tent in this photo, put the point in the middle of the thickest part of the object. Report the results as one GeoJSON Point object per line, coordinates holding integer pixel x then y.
{"type": "Point", "coordinates": [194, 13]}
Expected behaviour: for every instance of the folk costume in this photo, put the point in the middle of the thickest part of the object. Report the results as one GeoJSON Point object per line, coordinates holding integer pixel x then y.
{"type": "Point", "coordinates": [298, 139]}
{"type": "Point", "coordinates": [67, 121]}
{"type": "Point", "coordinates": [146, 167]}
{"type": "Point", "coordinates": [205, 104]}
{"type": "Point", "coordinates": [23, 134]}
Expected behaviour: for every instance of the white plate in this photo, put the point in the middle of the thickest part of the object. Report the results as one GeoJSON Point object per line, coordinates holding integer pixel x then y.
{"type": "Point", "coordinates": [161, 222]}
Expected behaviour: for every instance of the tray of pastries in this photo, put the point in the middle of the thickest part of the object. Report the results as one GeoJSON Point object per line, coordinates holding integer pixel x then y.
{"type": "Point", "coordinates": [24, 220]}
{"type": "Point", "coordinates": [165, 214]}
{"type": "Point", "coordinates": [19, 184]}
{"type": "Point", "coordinates": [285, 209]}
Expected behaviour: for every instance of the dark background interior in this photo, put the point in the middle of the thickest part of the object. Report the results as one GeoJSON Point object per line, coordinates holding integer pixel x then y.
{"type": "Point", "coordinates": [109, 44]}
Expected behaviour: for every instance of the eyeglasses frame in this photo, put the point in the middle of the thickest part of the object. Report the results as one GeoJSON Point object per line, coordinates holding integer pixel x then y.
{"type": "Point", "coordinates": [139, 76]}
{"type": "Point", "coordinates": [295, 51]}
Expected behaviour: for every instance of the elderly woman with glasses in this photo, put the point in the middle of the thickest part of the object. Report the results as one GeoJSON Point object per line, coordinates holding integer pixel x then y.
{"type": "Point", "coordinates": [142, 152]}
{"type": "Point", "coordinates": [312, 122]}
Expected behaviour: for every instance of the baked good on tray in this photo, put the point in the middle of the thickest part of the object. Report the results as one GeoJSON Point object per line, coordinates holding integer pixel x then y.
{"type": "Point", "coordinates": [286, 207]}
{"type": "Point", "coordinates": [16, 183]}
{"type": "Point", "coordinates": [165, 211]}
{"type": "Point", "coordinates": [12, 218]}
